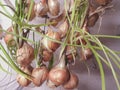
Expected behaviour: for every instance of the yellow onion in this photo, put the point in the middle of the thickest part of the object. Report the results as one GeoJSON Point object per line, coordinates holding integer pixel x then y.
{"type": "Point", "coordinates": [39, 74]}
{"type": "Point", "coordinates": [86, 54]}
{"type": "Point", "coordinates": [72, 83]}
{"type": "Point", "coordinates": [25, 54]}
{"type": "Point", "coordinates": [32, 15]}
{"type": "Point", "coordinates": [59, 74]}
{"type": "Point", "coordinates": [41, 8]}
{"type": "Point", "coordinates": [47, 55]}
{"type": "Point", "coordinates": [63, 28]}
{"type": "Point", "coordinates": [103, 2]}
{"type": "Point", "coordinates": [9, 39]}
{"type": "Point", "coordinates": [21, 79]}
{"type": "Point", "coordinates": [54, 7]}
{"type": "Point", "coordinates": [70, 54]}
{"type": "Point", "coordinates": [51, 46]}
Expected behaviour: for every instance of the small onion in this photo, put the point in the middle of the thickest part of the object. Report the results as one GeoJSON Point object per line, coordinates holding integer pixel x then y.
{"type": "Point", "coordinates": [9, 39]}
{"type": "Point", "coordinates": [21, 79]}
{"type": "Point", "coordinates": [41, 8]}
{"type": "Point", "coordinates": [103, 2]}
{"type": "Point", "coordinates": [70, 54]}
{"type": "Point", "coordinates": [51, 46]}
{"type": "Point", "coordinates": [86, 54]}
{"type": "Point", "coordinates": [59, 74]}
{"type": "Point", "coordinates": [39, 74]}
{"type": "Point", "coordinates": [54, 7]}
{"type": "Point", "coordinates": [25, 55]}
{"type": "Point", "coordinates": [47, 55]}
{"type": "Point", "coordinates": [56, 20]}
{"type": "Point", "coordinates": [32, 15]}
{"type": "Point", "coordinates": [72, 83]}
{"type": "Point", "coordinates": [63, 28]}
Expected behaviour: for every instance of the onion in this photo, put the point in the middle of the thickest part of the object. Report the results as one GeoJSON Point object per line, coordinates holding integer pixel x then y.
{"type": "Point", "coordinates": [9, 39]}
{"type": "Point", "coordinates": [59, 74]}
{"type": "Point", "coordinates": [40, 74]}
{"type": "Point", "coordinates": [41, 8]}
{"type": "Point", "coordinates": [47, 55]}
{"type": "Point", "coordinates": [51, 46]}
{"type": "Point", "coordinates": [21, 79]}
{"type": "Point", "coordinates": [86, 54]}
{"type": "Point", "coordinates": [72, 83]}
{"type": "Point", "coordinates": [54, 7]}
{"type": "Point", "coordinates": [63, 28]}
{"type": "Point", "coordinates": [103, 2]}
{"type": "Point", "coordinates": [70, 53]}
{"type": "Point", "coordinates": [32, 15]}
{"type": "Point", "coordinates": [56, 20]}
{"type": "Point", "coordinates": [25, 54]}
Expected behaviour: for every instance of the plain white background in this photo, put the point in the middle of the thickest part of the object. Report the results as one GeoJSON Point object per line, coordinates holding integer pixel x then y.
{"type": "Point", "coordinates": [110, 26]}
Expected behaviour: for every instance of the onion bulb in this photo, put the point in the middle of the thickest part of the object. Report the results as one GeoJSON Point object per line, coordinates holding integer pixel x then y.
{"type": "Point", "coordinates": [50, 45]}
{"type": "Point", "coordinates": [41, 8]}
{"type": "Point", "coordinates": [9, 39]}
{"type": "Point", "coordinates": [70, 53]}
{"type": "Point", "coordinates": [72, 83]}
{"type": "Point", "coordinates": [86, 54]}
{"type": "Point", "coordinates": [47, 55]}
{"type": "Point", "coordinates": [21, 79]}
{"type": "Point", "coordinates": [39, 74]}
{"type": "Point", "coordinates": [32, 15]}
{"type": "Point", "coordinates": [25, 54]}
{"type": "Point", "coordinates": [63, 28]}
{"type": "Point", "coordinates": [54, 7]}
{"type": "Point", "coordinates": [59, 74]}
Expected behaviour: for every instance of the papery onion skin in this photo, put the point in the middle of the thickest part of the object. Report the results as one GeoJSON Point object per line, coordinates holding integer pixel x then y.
{"type": "Point", "coordinates": [25, 54]}
{"type": "Point", "coordinates": [47, 56]}
{"type": "Point", "coordinates": [63, 28]}
{"type": "Point", "coordinates": [21, 79]}
{"type": "Point", "coordinates": [86, 54]}
{"type": "Point", "coordinates": [9, 39]}
{"type": "Point", "coordinates": [32, 15]}
{"type": "Point", "coordinates": [72, 83]}
{"type": "Point", "coordinates": [54, 7]}
{"type": "Point", "coordinates": [41, 8]}
{"type": "Point", "coordinates": [49, 45]}
{"type": "Point", "coordinates": [39, 74]}
{"type": "Point", "coordinates": [59, 74]}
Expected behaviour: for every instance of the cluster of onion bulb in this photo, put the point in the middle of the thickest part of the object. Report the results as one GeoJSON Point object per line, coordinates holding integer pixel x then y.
{"type": "Point", "coordinates": [59, 74]}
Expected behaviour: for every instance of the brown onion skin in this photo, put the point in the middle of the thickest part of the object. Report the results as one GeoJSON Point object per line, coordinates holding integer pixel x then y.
{"type": "Point", "coordinates": [103, 2]}
{"type": "Point", "coordinates": [41, 8]}
{"type": "Point", "coordinates": [39, 74]}
{"type": "Point", "coordinates": [32, 16]}
{"type": "Point", "coordinates": [47, 56]}
{"type": "Point", "coordinates": [9, 37]}
{"type": "Point", "coordinates": [54, 7]}
{"type": "Point", "coordinates": [72, 83]}
{"type": "Point", "coordinates": [25, 54]}
{"type": "Point", "coordinates": [86, 54]}
{"type": "Point", "coordinates": [21, 79]}
{"type": "Point", "coordinates": [71, 53]}
{"type": "Point", "coordinates": [63, 28]}
{"type": "Point", "coordinates": [59, 74]}
{"type": "Point", "coordinates": [49, 45]}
